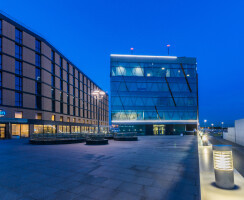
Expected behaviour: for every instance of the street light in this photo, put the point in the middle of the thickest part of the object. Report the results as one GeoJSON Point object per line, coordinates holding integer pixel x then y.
{"type": "Point", "coordinates": [98, 94]}
{"type": "Point", "coordinates": [222, 127]}
{"type": "Point", "coordinates": [205, 125]}
{"type": "Point", "coordinates": [223, 166]}
{"type": "Point", "coordinates": [212, 126]}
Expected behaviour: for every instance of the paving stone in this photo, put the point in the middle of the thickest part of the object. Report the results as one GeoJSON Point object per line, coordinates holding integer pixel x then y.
{"type": "Point", "coordinates": [151, 168]}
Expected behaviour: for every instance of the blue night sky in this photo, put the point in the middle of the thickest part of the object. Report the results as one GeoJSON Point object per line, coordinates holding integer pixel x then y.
{"type": "Point", "coordinates": [87, 32]}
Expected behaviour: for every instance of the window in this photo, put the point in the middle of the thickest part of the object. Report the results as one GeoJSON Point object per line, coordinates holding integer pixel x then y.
{"type": "Point", "coordinates": [38, 88]}
{"type": "Point", "coordinates": [61, 108]}
{"type": "Point", "coordinates": [53, 105]}
{"type": "Point", "coordinates": [68, 119]}
{"type": "Point", "coordinates": [18, 83]}
{"type": "Point", "coordinates": [38, 74]}
{"type": "Point", "coordinates": [74, 120]}
{"type": "Point", "coordinates": [18, 115]}
{"type": "Point", "coordinates": [53, 68]}
{"type": "Point", "coordinates": [61, 62]}
{"type": "Point", "coordinates": [0, 96]}
{"type": "Point", "coordinates": [18, 99]}
{"type": "Point", "coordinates": [18, 51]}
{"type": "Point", "coordinates": [0, 61]}
{"type": "Point", "coordinates": [68, 109]}
{"type": "Point", "coordinates": [53, 118]}
{"type": "Point", "coordinates": [18, 67]}
{"type": "Point", "coordinates": [61, 118]}
{"type": "Point", "coordinates": [0, 26]}
{"type": "Point", "coordinates": [61, 73]}
{"type": "Point", "coordinates": [53, 81]}
{"type": "Point", "coordinates": [18, 36]}
{"type": "Point", "coordinates": [0, 44]}
{"type": "Point", "coordinates": [38, 102]}
{"type": "Point", "coordinates": [61, 84]}
{"type": "Point", "coordinates": [38, 116]}
{"type": "Point", "coordinates": [38, 60]}
{"type": "Point", "coordinates": [38, 46]}
{"type": "Point", "coordinates": [53, 56]}
{"type": "Point", "coordinates": [53, 93]}
{"type": "Point", "coordinates": [67, 68]}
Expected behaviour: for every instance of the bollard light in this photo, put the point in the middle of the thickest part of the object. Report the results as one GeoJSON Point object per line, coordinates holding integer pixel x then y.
{"type": "Point", "coordinates": [223, 166]}
{"type": "Point", "coordinates": [205, 140]}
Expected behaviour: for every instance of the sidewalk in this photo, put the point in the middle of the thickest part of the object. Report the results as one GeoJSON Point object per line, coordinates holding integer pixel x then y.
{"type": "Point", "coordinates": [208, 190]}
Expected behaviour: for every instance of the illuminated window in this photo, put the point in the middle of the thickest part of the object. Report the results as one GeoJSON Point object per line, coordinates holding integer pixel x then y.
{"type": "Point", "coordinates": [138, 71]}
{"type": "Point", "coordinates": [38, 116]}
{"type": "Point", "coordinates": [18, 115]}
{"type": "Point", "coordinates": [74, 120]}
{"type": "Point", "coordinates": [61, 118]}
{"type": "Point", "coordinates": [120, 71]}
{"type": "Point", "coordinates": [53, 118]}
{"type": "Point", "coordinates": [68, 119]}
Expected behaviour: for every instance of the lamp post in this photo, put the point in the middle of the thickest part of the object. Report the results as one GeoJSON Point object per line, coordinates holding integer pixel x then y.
{"type": "Point", "coordinates": [222, 127]}
{"type": "Point", "coordinates": [212, 126]}
{"type": "Point", "coordinates": [205, 125]}
{"type": "Point", "coordinates": [98, 94]}
{"type": "Point", "coordinates": [168, 45]}
{"type": "Point", "coordinates": [223, 166]}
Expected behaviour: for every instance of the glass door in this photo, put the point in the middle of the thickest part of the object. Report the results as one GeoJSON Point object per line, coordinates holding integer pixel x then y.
{"type": "Point", "coordinates": [158, 129]}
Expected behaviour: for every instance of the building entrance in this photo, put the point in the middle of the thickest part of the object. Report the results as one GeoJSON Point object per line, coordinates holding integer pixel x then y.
{"type": "Point", "coordinates": [158, 129]}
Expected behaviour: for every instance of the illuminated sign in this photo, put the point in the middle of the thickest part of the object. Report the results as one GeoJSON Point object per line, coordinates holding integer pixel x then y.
{"type": "Point", "coordinates": [2, 113]}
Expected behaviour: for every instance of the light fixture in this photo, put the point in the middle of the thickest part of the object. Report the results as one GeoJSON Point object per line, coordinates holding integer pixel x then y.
{"type": "Point", "coordinates": [188, 74]}
{"type": "Point", "coordinates": [148, 74]}
{"type": "Point", "coordinates": [205, 140]}
{"type": "Point", "coordinates": [163, 68]}
{"type": "Point", "coordinates": [223, 166]}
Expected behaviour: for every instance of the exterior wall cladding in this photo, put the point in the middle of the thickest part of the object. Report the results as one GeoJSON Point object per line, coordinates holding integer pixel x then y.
{"type": "Point", "coordinates": [41, 90]}
{"type": "Point", "coordinates": [154, 94]}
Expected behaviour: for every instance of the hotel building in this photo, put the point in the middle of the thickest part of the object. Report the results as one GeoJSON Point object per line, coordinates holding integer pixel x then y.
{"type": "Point", "coordinates": [154, 95]}
{"type": "Point", "coordinates": [41, 90]}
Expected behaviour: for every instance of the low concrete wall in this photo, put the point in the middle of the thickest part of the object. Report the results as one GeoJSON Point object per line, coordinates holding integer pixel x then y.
{"type": "Point", "coordinates": [230, 134]}
{"type": "Point", "coordinates": [239, 129]}
{"type": "Point", "coordinates": [236, 134]}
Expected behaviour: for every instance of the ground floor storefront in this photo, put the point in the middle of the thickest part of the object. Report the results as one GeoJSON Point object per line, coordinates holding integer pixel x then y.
{"type": "Point", "coordinates": [22, 130]}
{"type": "Point", "coordinates": [157, 129]}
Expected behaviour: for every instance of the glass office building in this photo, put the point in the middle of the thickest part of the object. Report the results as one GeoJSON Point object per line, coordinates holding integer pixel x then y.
{"type": "Point", "coordinates": [154, 95]}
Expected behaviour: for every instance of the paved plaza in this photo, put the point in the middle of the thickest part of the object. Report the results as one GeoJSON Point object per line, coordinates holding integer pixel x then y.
{"type": "Point", "coordinates": [155, 167]}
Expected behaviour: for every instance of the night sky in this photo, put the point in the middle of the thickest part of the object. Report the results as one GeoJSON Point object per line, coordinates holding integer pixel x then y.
{"type": "Point", "coordinates": [87, 32]}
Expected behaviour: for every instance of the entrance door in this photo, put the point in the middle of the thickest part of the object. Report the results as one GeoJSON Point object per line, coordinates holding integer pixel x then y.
{"type": "Point", "coordinates": [2, 132]}
{"type": "Point", "coordinates": [158, 129]}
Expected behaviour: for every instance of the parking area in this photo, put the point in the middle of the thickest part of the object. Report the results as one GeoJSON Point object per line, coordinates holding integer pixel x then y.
{"type": "Point", "coordinates": [155, 167]}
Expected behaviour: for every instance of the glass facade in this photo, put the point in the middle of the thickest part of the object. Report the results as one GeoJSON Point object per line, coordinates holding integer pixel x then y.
{"type": "Point", "coordinates": [153, 90]}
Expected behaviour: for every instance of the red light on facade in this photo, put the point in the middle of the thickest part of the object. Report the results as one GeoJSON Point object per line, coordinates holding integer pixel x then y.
{"type": "Point", "coordinates": [168, 45]}
{"type": "Point", "coordinates": [131, 49]}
